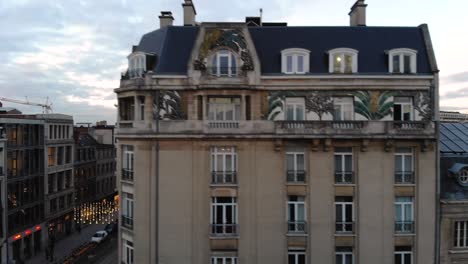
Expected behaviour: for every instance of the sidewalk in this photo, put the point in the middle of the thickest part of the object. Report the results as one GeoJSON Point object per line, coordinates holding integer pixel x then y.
{"type": "Point", "coordinates": [65, 246]}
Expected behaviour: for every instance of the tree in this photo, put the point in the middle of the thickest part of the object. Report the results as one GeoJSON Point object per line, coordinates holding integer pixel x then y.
{"type": "Point", "coordinates": [319, 103]}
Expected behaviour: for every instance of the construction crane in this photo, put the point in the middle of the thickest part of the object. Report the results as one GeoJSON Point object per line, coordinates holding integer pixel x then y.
{"type": "Point", "coordinates": [46, 108]}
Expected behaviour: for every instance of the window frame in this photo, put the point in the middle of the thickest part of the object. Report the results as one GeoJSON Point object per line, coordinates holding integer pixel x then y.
{"type": "Point", "coordinates": [401, 52]}
{"type": "Point", "coordinates": [402, 104]}
{"type": "Point", "coordinates": [128, 248]}
{"type": "Point", "coordinates": [295, 172]}
{"type": "Point", "coordinates": [341, 103]}
{"type": "Point", "coordinates": [343, 253]}
{"type": "Point", "coordinates": [343, 174]}
{"type": "Point", "coordinates": [232, 58]}
{"type": "Point", "coordinates": [298, 225]}
{"type": "Point", "coordinates": [402, 254]}
{"type": "Point", "coordinates": [128, 162]}
{"type": "Point", "coordinates": [225, 225]}
{"type": "Point", "coordinates": [342, 222]}
{"type": "Point", "coordinates": [225, 153]}
{"type": "Point", "coordinates": [456, 237]}
{"type": "Point", "coordinates": [294, 54]}
{"type": "Point", "coordinates": [342, 52]}
{"type": "Point", "coordinates": [296, 253]}
{"type": "Point", "coordinates": [136, 64]}
{"type": "Point", "coordinates": [224, 259]}
{"type": "Point", "coordinates": [128, 206]}
{"type": "Point", "coordinates": [216, 108]}
{"type": "Point", "coordinates": [401, 205]}
{"type": "Point", "coordinates": [294, 102]}
{"type": "Point", "coordinates": [403, 153]}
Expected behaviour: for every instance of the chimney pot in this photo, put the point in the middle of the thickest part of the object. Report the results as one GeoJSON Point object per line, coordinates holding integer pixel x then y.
{"type": "Point", "coordinates": [189, 13]}
{"type": "Point", "coordinates": [166, 19]}
{"type": "Point", "coordinates": [357, 16]}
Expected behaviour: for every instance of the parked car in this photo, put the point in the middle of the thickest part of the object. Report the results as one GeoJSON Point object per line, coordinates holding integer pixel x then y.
{"type": "Point", "coordinates": [99, 236]}
{"type": "Point", "coordinates": [110, 228]}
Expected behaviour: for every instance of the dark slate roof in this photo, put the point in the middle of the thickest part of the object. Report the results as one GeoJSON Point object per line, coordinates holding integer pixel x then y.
{"type": "Point", "coordinates": [457, 167]}
{"type": "Point", "coordinates": [86, 140]}
{"type": "Point", "coordinates": [454, 138]}
{"type": "Point", "coordinates": [371, 42]}
{"type": "Point", "coordinates": [173, 45]}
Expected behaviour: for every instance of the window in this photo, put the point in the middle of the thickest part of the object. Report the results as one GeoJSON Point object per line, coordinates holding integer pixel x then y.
{"type": "Point", "coordinates": [460, 236]}
{"type": "Point", "coordinates": [404, 215]}
{"type": "Point", "coordinates": [223, 165]}
{"type": "Point", "coordinates": [296, 214]}
{"type": "Point", "coordinates": [344, 165]}
{"type": "Point", "coordinates": [52, 158]}
{"type": "Point", "coordinates": [344, 255]}
{"type": "Point", "coordinates": [343, 60]}
{"type": "Point", "coordinates": [223, 216]}
{"type": "Point", "coordinates": [295, 166]}
{"type": "Point", "coordinates": [127, 162]}
{"type": "Point", "coordinates": [68, 153]}
{"type": "Point", "coordinates": [296, 256]}
{"type": "Point", "coordinates": [344, 214]}
{"type": "Point", "coordinates": [403, 109]}
{"type": "Point", "coordinates": [403, 255]}
{"type": "Point", "coordinates": [127, 108]}
{"type": "Point", "coordinates": [53, 205]}
{"type": "Point", "coordinates": [127, 254]}
{"type": "Point", "coordinates": [224, 108]}
{"type": "Point", "coordinates": [60, 155]}
{"type": "Point", "coordinates": [404, 166]}
{"type": "Point", "coordinates": [463, 177]}
{"type": "Point", "coordinates": [295, 109]}
{"type": "Point", "coordinates": [137, 64]}
{"type": "Point", "coordinates": [224, 64]}
{"type": "Point", "coordinates": [402, 61]}
{"type": "Point", "coordinates": [343, 108]}
{"type": "Point", "coordinates": [295, 61]}
{"type": "Point", "coordinates": [141, 101]}
{"type": "Point", "coordinates": [223, 260]}
{"type": "Point", "coordinates": [127, 207]}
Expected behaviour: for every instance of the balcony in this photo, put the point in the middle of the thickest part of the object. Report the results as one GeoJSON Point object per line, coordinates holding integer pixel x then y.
{"type": "Point", "coordinates": [344, 177]}
{"type": "Point", "coordinates": [223, 177]}
{"type": "Point", "coordinates": [297, 227]}
{"type": "Point", "coordinates": [227, 72]}
{"type": "Point", "coordinates": [284, 129]}
{"type": "Point", "coordinates": [344, 227]}
{"type": "Point", "coordinates": [127, 175]}
{"type": "Point", "coordinates": [404, 177]}
{"type": "Point", "coordinates": [404, 227]}
{"type": "Point", "coordinates": [224, 230]}
{"type": "Point", "coordinates": [127, 222]}
{"type": "Point", "coordinates": [295, 176]}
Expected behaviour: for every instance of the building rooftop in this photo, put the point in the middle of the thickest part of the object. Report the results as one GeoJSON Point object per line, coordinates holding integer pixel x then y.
{"type": "Point", "coordinates": [454, 138]}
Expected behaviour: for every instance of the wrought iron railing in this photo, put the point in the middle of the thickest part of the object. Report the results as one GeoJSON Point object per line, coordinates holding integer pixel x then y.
{"type": "Point", "coordinates": [409, 125]}
{"type": "Point", "coordinates": [224, 71]}
{"type": "Point", "coordinates": [296, 176]}
{"type": "Point", "coordinates": [127, 221]}
{"type": "Point", "coordinates": [223, 124]}
{"type": "Point", "coordinates": [127, 174]}
{"type": "Point", "coordinates": [344, 177]}
{"type": "Point", "coordinates": [223, 177]}
{"type": "Point", "coordinates": [224, 230]}
{"type": "Point", "coordinates": [297, 227]}
{"type": "Point", "coordinates": [406, 227]}
{"type": "Point", "coordinates": [404, 177]}
{"type": "Point", "coordinates": [344, 227]}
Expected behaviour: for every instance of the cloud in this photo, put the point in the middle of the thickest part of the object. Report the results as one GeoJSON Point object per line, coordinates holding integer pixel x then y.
{"type": "Point", "coordinates": [460, 77]}
{"type": "Point", "coordinates": [463, 92]}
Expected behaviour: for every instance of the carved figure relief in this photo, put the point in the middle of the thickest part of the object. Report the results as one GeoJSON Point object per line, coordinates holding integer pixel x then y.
{"type": "Point", "coordinates": [229, 38]}
{"type": "Point", "coordinates": [317, 102]}
{"type": "Point", "coordinates": [373, 105]}
{"type": "Point", "coordinates": [168, 106]}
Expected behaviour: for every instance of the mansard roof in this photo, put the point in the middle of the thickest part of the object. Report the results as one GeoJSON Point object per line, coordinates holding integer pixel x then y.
{"type": "Point", "coordinates": [173, 46]}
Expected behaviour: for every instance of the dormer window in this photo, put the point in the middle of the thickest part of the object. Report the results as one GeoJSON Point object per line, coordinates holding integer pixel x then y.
{"type": "Point", "coordinates": [136, 64]}
{"type": "Point", "coordinates": [343, 60]}
{"type": "Point", "coordinates": [402, 61]}
{"type": "Point", "coordinates": [295, 61]}
{"type": "Point", "coordinates": [224, 64]}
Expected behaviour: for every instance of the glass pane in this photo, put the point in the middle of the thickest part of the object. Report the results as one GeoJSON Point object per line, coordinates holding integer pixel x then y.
{"type": "Point", "coordinates": [229, 113]}
{"type": "Point", "coordinates": [219, 113]}
{"type": "Point", "coordinates": [301, 259]}
{"type": "Point", "coordinates": [289, 63]}
{"type": "Point", "coordinates": [338, 163]}
{"type": "Point", "coordinates": [398, 213]}
{"type": "Point", "coordinates": [300, 161]}
{"type": "Point", "coordinates": [337, 63]}
{"type": "Point", "coordinates": [348, 63]}
{"type": "Point", "coordinates": [397, 112]}
{"type": "Point", "coordinates": [348, 163]}
{"type": "Point", "coordinates": [223, 64]}
{"type": "Point", "coordinates": [291, 259]}
{"type": "Point", "coordinates": [408, 162]}
{"type": "Point", "coordinates": [407, 64]}
{"type": "Point", "coordinates": [300, 212]}
{"type": "Point", "coordinates": [349, 259]}
{"type": "Point", "coordinates": [291, 215]}
{"type": "Point", "coordinates": [300, 63]}
{"type": "Point", "coordinates": [408, 210]}
{"type": "Point", "coordinates": [397, 259]}
{"type": "Point", "coordinates": [349, 213]}
{"type": "Point", "coordinates": [396, 63]}
{"type": "Point", "coordinates": [339, 213]}
{"type": "Point", "coordinates": [289, 112]}
{"type": "Point", "coordinates": [299, 112]}
{"type": "Point", "coordinates": [290, 162]}
{"type": "Point", "coordinates": [229, 214]}
{"type": "Point", "coordinates": [337, 112]}
{"type": "Point", "coordinates": [237, 111]}
{"type": "Point", "coordinates": [233, 63]}
{"type": "Point", "coordinates": [407, 258]}
{"type": "Point", "coordinates": [407, 112]}
{"type": "Point", "coordinates": [348, 111]}
{"type": "Point", "coordinates": [219, 162]}
{"type": "Point", "coordinates": [339, 259]}
{"type": "Point", "coordinates": [229, 163]}
{"type": "Point", "coordinates": [218, 215]}
{"type": "Point", "coordinates": [398, 163]}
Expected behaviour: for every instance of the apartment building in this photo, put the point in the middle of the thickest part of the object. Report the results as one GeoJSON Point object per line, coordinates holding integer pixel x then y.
{"type": "Point", "coordinates": [255, 142]}
{"type": "Point", "coordinates": [453, 193]}
{"type": "Point", "coordinates": [3, 192]}
{"type": "Point", "coordinates": [451, 117]}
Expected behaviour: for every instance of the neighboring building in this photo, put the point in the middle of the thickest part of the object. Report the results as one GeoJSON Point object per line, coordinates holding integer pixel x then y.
{"type": "Point", "coordinates": [454, 193]}
{"type": "Point", "coordinates": [259, 143]}
{"type": "Point", "coordinates": [446, 116]}
{"type": "Point", "coordinates": [3, 193]}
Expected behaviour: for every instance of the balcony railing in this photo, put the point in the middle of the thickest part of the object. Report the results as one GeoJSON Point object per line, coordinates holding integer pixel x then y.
{"type": "Point", "coordinates": [409, 125]}
{"type": "Point", "coordinates": [223, 177]}
{"type": "Point", "coordinates": [404, 177]}
{"type": "Point", "coordinates": [223, 124]}
{"type": "Point", "coordinates": [344, 227]}
{"type": "Point", "coordinates": [344, 177]}
{"type": "Point", "coordinates": [297, 227]}
{"type": "Point", "coordinates": [224, 230]}
{"type": "Point", "coordinates": [296, 176]}
{"type": "Point", "coordinates": [127, 222]}
{"type": "Point", "coordinates": [404, 227]}
{"type": "Point", "coordinates": [127, 175]}
{"type": "Point", "coordinates": [224, 71]}
{"type": "Point", "coordinates": [133, 73]}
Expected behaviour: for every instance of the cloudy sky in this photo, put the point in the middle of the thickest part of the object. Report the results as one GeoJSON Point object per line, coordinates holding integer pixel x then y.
{"type": "Point", "coordinates": [72, 51]}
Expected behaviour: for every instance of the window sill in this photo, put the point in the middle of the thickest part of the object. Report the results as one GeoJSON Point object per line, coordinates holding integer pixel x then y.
{"type": "Point", "coordinates": [229, 185]}
{"type": "Point", "coordinates": [126, 181]}
{"type": "Point", "coordinates": [224, 237]}
{"type": "Point", "coordinates": [459, 251]}
{"type": "Point", "coordinates": [404, 234]}
{"type": "Point", "coordinates": [296, 183]}
{"type": "Point", "coordinates": [344, 184]}
{"type": "Point", "coordinates": [344, 234]}
{"type": "Point", "coordinates": [296, 234]}
{"type": "Point", "coordinates": [405, 184]}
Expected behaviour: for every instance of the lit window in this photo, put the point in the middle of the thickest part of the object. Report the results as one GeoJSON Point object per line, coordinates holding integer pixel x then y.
{"type": "Point", "coordinates": [344, 215]}
{"type": "Point", "coordinates": [402, 60]}
{"type": "Point", "coordinates": [296, 256]}
{"type": "Point", "coordinates": [136, 64]}
{"type": "Point", "coordinates": [404, 220]}
{"type": "Point", "coordinates": [461, 234]}
{"type": "Point", "coordinates": [343, 108]}
{"type": "Point", "coordinates": [224, 108]}
{"type": "Point", "coordinates": [404, 166]}
{"type": "Point", "coordinates": [403, 255]}
{"type": "Point", "coordinates": [295, 61]}
{"type": "Point", "coordinates": [343, 60]}
{"type": "Point", "coordinates": [224, 64]}
{"type": "Point", "coordinates": [403, 109]}
{"type": "Point", "coordinates": [296, 214]}
{"type": "Point", "coordinates": [295, 108]}
{"type": "Point", "coordinates": [344, 255]}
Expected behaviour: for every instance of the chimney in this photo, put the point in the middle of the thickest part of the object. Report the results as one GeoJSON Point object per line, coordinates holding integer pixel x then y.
{"type": "Point", "coordinates": [357, 16]}
{"type": "Point", "coordinates": [189, 13]}
{"type": "Point", "coordinates": [165, 19]}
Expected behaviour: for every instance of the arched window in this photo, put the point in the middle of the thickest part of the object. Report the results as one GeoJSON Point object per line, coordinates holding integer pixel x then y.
{"type": "Point", "coordinates": [402, 60]}
{"type": "Point", "coordinates": [224, 64]}
{"type": "Point", "coordinates": [343, 60]}
{"type": "Point", "coordinates": [463, 176]}
{"type": "Point", "coordinates": [136, 64]}
{"type": "Point", "coordinates": [295, 61]}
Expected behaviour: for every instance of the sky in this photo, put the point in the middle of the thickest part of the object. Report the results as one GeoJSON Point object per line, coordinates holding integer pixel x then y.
{"type": "Point", "coordinates": [72, 52]}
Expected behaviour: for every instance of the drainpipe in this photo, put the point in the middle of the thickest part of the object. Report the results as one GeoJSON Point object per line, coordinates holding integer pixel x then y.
{"type": "Point", "coordinates": [156, 116]}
